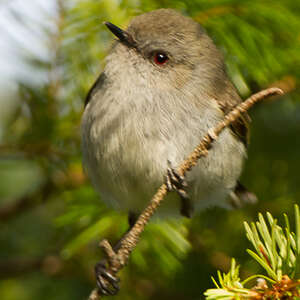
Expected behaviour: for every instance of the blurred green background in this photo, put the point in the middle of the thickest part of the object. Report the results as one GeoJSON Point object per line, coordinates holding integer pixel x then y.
{"type": "Point", "coordinates": [51, 220]}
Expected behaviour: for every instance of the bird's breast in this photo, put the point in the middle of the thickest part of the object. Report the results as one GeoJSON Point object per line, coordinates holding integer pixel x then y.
{"type": "Point", "coordinates": [129, 134]}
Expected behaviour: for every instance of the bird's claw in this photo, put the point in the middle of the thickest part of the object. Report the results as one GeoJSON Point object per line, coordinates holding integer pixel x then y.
{"type": "Point", "coordinates": [176, 182]}
{"type": "Point", "coordinates": [107, 283]}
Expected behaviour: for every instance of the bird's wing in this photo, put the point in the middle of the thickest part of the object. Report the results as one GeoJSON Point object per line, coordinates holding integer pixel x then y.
{"type": "Point", "coordinates": [240, 128]}
{"type": "Point", "coordinates": [227, 101]}
{"type": "Point", "coordinates": [95, 87]}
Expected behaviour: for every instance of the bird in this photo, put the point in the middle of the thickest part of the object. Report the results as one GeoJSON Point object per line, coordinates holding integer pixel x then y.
{"type": "Point", "coordinates": [163, 87]}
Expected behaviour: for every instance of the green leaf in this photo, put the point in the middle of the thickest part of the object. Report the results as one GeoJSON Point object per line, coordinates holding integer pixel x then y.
{"type": "Point", "coordinates": [263, 263]}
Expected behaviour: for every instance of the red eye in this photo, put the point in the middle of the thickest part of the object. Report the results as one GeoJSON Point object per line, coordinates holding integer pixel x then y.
{"type": "Point", "coordinates": [160, 58]}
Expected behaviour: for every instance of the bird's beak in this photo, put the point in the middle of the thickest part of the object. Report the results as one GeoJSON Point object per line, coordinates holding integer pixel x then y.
{"type": "Point", "coordinates": [121, 34]}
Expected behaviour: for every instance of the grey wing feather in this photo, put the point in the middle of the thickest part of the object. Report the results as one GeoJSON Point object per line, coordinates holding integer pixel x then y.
{"type": "Point", "coordinates": [95, 87]}
{"type": "Point", "coordinates": [241, 196]}
{"type": "Point", "coordinates": [227, 101]}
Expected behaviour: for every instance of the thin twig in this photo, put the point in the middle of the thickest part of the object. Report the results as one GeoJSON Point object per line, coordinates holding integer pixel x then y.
{"type": "Point", "coordinates": [118, 260]}
{"type": "Point", "coordinates": [50, 264]}
{"type": "Point", "coordinates": [25, 202]}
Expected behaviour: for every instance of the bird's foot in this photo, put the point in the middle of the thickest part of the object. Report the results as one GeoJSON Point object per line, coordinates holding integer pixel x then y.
{"type": "Point", "coordinates": [107, 283]}
{"type": "Point", "coordinates": [177, 182]}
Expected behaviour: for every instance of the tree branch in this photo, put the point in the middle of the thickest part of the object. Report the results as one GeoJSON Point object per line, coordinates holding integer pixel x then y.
{"type": "Point", "coordinates": [26, 202]}
{"type": "Point", "coordinates": [118, 260]}
{"type": "Point", "coordinates": [51, 264]}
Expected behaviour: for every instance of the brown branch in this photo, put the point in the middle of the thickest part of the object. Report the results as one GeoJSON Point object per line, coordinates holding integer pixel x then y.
{"type": "Point", "coordinates": [50, 264]}
{"type": "Point", "coordinates": [118, 260]}
{"type": "Point", "coordinates": [54, 183]}
{"type": "Point", "coordinates": [32, 150]}
{"type": "Point", "coordinates": [285, 288]}
{"type": "Point", "coordinates": [19, 266]}
{"type": "Point", "coordinates": [26, 202]}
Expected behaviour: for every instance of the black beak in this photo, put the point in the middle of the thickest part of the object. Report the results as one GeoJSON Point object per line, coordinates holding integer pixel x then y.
{"type": "Point", "coordinates": [121, 34]}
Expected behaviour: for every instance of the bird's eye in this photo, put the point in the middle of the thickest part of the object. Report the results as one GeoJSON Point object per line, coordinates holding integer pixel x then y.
{"type": "Point", "coordinates": [160, 58]}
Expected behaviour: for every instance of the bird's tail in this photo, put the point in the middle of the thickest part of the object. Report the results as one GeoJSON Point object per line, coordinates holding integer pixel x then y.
{"type": "Point", "coordinates": [241, 196]}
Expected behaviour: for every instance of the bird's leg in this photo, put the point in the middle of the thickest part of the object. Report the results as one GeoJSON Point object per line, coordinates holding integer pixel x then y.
{"type": "Point", "coordinates": [177, 182]}
{"type": "Point", "coordinates": [107, 283]}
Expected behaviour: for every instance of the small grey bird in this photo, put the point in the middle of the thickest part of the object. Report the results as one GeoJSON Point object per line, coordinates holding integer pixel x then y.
{"type": "Point", "coordinates": [163, 87]}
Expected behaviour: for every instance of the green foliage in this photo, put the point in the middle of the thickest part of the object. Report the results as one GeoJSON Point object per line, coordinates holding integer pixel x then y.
{"type": "Point", "coordinates": [58, 215]}
{"type": "Point", "coordinates": [277, 250]}
{"type": "Point", "coordinates": [229, 287]}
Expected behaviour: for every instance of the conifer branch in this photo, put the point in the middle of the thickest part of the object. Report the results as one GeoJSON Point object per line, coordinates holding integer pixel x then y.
{"type": "Point", "coordinates": [277, 250]}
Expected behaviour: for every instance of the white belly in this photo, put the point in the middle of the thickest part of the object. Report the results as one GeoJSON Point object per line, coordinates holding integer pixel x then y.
{"type": "Point", "coordinates": [126, 148]}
